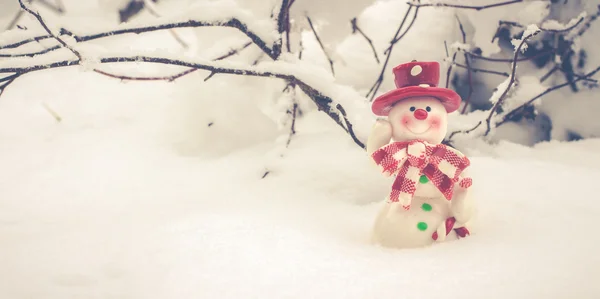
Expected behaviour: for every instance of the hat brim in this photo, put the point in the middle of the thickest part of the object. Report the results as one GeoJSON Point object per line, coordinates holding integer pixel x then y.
{"type": "Point", "coordinates": [448, 97]}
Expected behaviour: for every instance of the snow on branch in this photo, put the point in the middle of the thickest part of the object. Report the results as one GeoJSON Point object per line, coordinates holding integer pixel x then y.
{"type": "Point", "coordinates": [499, 98]}
{"type": "Point", "coordinates": [552, 25]}
{"type": "Point", "coordinates": [214, 14]}
{"type": "Point", "coordinates": [531, 31]}
{"type": "Point", "coordinates": [508, 116]}
{"type": "Point", "coordinates": [291, 72]}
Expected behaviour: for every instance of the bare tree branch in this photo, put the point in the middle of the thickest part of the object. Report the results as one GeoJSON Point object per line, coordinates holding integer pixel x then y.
{"type": "Point", "coordinates": [15, 20]}
{"type": "Point", "coordinates": [176, 76]}
{"type": "Point", "coordinates": [549, 73]}
{"type": "Point", "coordinates": [388, 52]}
{"type": "Point", "coordinates": [288, 26]}
{"type": "Point", "coordinates": [58, 7]}
{"type": "Point", "coordinates": [463, 6]}
{"type": "Point", "coordinates": [541, 54]}
{"type": "Point", "coordinates": [465, 131]}
{"type": "Point", "coordinates": [6, 81]}
{"type": "Point", "coordinates": [478, 70]}
{"type": "Point", "coordinates": [293, 125]}
{"type": "Point", "coordinates": [355, 29]}
{"type": "Point", "coordinates": [281, 26]}
{"type": "Point", "coordinates": [321, 44]}
{"type": "Point", "coordinates": [41, 21]}
{"type": "Point", "coordinates": [452, 63]}
{"type": "Point", "coordinates": [469, 71]}
{"type": "Point", "coordinates": [149, 5]}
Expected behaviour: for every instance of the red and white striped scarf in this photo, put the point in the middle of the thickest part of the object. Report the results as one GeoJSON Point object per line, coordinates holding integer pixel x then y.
{"type": "Point", "coordinates": [441, 164]}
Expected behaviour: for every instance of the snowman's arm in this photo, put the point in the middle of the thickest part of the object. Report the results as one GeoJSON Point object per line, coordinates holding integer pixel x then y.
{"type": "Point", "coordinates": [463, 205]}
{"type": "Point", "coordinates": [381, 134]}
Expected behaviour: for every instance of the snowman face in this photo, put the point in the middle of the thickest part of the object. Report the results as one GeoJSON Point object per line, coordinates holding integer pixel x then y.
{"type": "Point", "coordinates": [422, 118]}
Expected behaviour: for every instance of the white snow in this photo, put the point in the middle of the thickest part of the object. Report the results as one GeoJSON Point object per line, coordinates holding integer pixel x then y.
{"type": "Point", "coordinates": [99, 205]}
{"type": "Point", "coordinates": [555, 25]}
{"type": "Point", "coordinates": [150, 190]}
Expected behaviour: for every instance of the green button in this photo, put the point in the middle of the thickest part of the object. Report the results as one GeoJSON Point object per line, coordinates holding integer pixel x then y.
{"type": "Point", "coordinates": [426, 207]}
{"type": "Point", "coordinates": [423, 179]}
{"type": "Point", "coordinates": [422, 226]}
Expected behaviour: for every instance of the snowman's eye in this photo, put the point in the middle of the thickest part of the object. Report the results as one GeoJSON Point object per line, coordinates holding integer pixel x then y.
{"type": "Point", "coordinates": [428, 109]}
{"type": "Point", "coordinates": [413, 108]}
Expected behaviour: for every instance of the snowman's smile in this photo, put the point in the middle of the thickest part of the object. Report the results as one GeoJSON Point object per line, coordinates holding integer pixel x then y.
{"type": "Point", "coordinates": [418, 130]}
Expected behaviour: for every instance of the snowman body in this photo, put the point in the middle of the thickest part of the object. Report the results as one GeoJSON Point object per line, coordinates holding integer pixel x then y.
{"type": "Point", "coordinates": [425, 222]}
{"type": "Point", "coordinates": [400, 228]}
{"type": "Point", "coordinates": [429, 200]}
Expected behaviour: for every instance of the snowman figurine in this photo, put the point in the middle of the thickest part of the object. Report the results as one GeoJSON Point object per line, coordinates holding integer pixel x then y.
{"type": "Point", "coordinates": [429, 199]}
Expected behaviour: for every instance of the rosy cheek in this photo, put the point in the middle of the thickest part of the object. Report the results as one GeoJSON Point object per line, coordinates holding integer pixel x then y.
{"type": "Point", "coordinates": [435, 122]}
{"type": "Point", "coordinates": [406, 119]}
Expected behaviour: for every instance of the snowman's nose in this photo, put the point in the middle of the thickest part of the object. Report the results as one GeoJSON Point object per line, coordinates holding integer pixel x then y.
{"type": "Point", "coordinates": [420, 114]}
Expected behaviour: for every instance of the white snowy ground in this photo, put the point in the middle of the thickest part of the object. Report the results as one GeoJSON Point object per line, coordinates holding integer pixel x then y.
{"type": "Point", "coordinates": [104, 205]}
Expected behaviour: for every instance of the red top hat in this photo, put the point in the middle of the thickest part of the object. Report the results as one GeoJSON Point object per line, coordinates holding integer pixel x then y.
{"type": "Point", "coordinates": [416, 79]}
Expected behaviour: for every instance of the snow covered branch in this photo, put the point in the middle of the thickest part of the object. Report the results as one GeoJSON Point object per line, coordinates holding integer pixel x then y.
{"type": "Point", "coordinates": [531, 32]}
{"type": "Point", "coordinates": [513, 112]}
{"type": "Point", "coordinates": [271, 48]}
{"type": "Point", "coordinates": [324, 103]}
{"type": "Point", "coordinates": [271, 45]}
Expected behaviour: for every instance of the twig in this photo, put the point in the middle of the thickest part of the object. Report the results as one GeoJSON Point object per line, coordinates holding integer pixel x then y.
{"type": "Point", "coordinates": [581, 77]}
{"type": "Point", "coordinates": [549, 73]}
{"type": "Point", "coordinates": [465, 131]}
{"type": "Point", "coordinates": [463, 6]}
{"type": "Point", "coordinates": [281, 28]}
{"type": "Point", "coordinates": [293, 125]}
{"type": "Point", "coordinates": [512, 113]}
{"type": "Point", "coordinates": [321, 44]}
{"type": "Point", "coordinates": [31, 54]}
{"type": "Point", "coordinates": [131, 78]}
{"type": "Point", "coordinates": [515, 24]}
{"type": "Point", "coordinates": [14, 21]}
{"type": "Point", "coordinates": [8, 80]}
{"type": "Point", "coordinates": [388, 52]}
{"type": "Point", "coordinates": [349, 128]}
{"type": "Point", "coordinates": [233, 23]}
{"type": "Point", "coordinates": [478, 70]}
{"type": "Point", "coordinates": [288, 26]}
{"type": "Point", "coordinates": [52, 112]}
{"type": "Point", "coordinates": [588, 24]}
{"type": "Point", "coordinates": [148, 4]}
{"type": "Point", "coordinates": [476, 56]}
{"type": "Point", "coordinates": [176, 76]}
{"type": "Point", "coordinates": [355, 29]}
{"type": "Point", "coordinates": [58, 7]}
{"type": "Point", "coordinates": [469, 71]}
{"type": "Point", "coordinates": [41, 21]}
{"type": "Point", "coordinates": [451, 64]}
{"type": "Point", "coordinates": [510, 83]}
